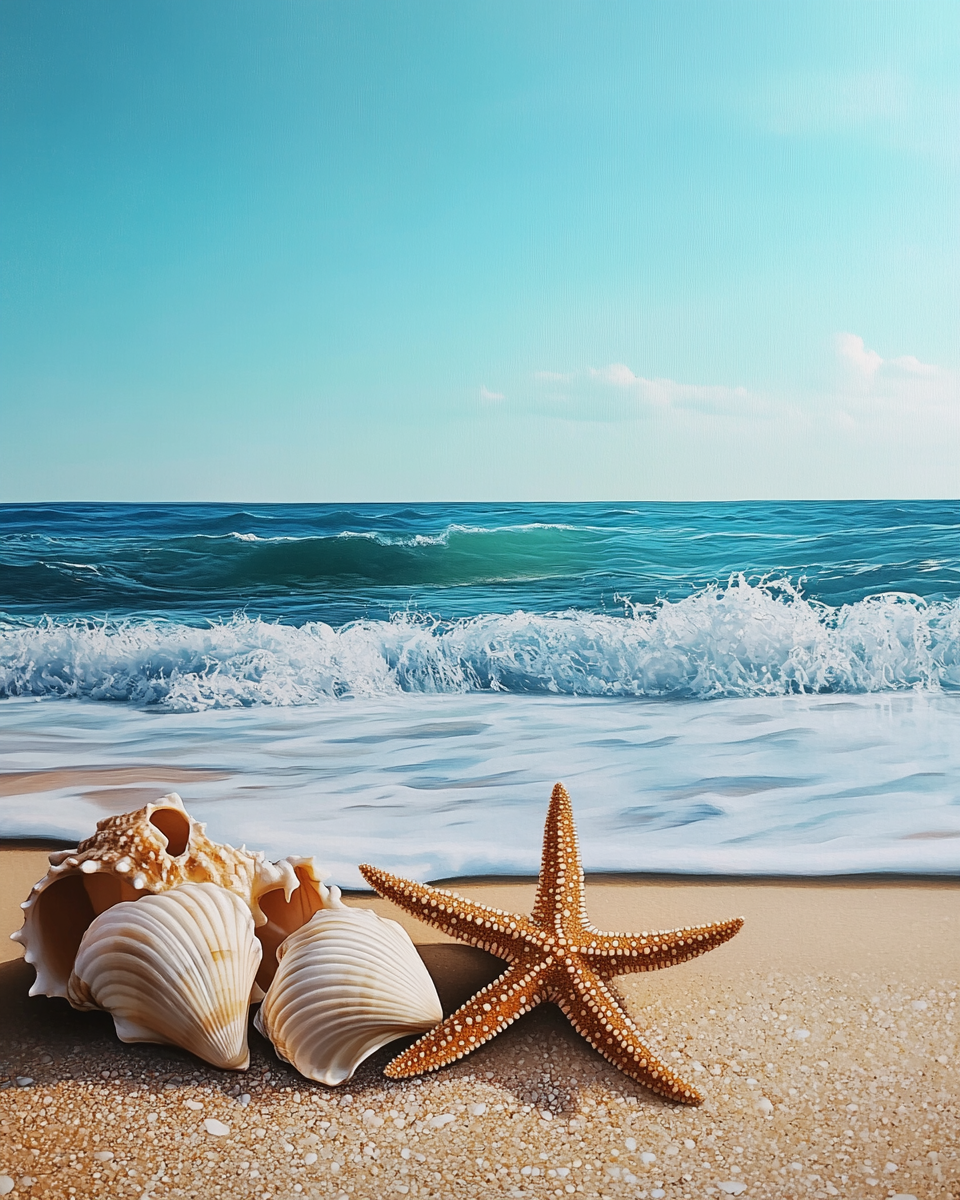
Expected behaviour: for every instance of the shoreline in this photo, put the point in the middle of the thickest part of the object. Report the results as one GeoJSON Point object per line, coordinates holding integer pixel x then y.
{"type": "Point", "coordinates": [824, 1036]}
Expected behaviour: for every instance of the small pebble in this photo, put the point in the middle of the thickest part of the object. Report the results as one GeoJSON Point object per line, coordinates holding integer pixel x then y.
{"type": "Point", "coordinates": [215, 1128]}
{"type": "Point", "coordinates": [6, 1185]}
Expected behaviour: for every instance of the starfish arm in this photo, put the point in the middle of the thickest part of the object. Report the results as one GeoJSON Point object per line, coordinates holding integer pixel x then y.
{"type": "Point", "coordinates": [560, 890]}
{"type": "Point", "coordinates": [622, 954]}
{"type": "Point", "coordinates": [498, 932]}
{"type": "Point", "coordinates": [597, 1016]}
{"type": "Point", "coordinates": [484, 1016]}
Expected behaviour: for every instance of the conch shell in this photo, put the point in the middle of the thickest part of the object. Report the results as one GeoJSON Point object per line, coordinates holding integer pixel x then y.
{"type": "Point", "coordinates": [348, 982]}
{"type": "Point", "coordinates": [156, 848]}
{"type": "Point", "coordinates": [175, 968]}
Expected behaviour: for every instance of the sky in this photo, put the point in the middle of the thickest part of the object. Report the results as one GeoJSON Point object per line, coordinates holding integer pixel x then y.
{"type": "Point", "coordinates": [353, 250]}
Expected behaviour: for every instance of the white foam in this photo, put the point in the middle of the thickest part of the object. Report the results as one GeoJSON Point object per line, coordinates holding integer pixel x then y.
{"type": "Point", "coordinates": [436, 786]}
{"type": "Point", "coordinates": [739, 641]}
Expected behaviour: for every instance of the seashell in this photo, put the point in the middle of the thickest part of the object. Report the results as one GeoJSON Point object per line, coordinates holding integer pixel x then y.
{"type": "Point", "coordinates": [156, 848]}
{"type": "Point", "coordinates": [286, 895]}
{"type": "Point", "coordinates": [175, 968]}
{"type": "Point", "coordinates": [348, 982]}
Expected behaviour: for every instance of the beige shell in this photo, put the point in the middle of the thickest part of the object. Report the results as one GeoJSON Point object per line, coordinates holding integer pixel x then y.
{"type": "Point", "coordinates": [175, 968]}
{"type": "Point", "coordinates": [348, 982]}
{"type": "Point", "coordinates": [156, 848]}
{"type": "Point", "coordinates": [286, 894]}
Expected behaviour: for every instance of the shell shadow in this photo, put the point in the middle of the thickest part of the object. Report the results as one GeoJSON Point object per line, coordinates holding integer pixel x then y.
{"type": "Point", "coordinates": [540, 1060]}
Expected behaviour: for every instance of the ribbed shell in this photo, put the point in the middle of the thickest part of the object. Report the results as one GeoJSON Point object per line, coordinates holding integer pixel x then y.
{"type": "Point", "coordinates": [151, 850]}
{"type": "Point", "coordinates": [348, 982]}
{"type": "Point", "coordinates": [175, 968]}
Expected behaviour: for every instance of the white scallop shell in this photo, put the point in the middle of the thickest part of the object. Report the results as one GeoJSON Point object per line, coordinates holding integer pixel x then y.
{"type": "Point", "coordinates": [175, 968]}
{"type": "Point", "coordinates": [348, 982]}
{"type": "Point", "coordinates": [151, 850]}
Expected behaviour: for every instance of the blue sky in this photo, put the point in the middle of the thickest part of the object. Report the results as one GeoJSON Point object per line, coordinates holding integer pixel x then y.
{"type": "Point", "coordinates": [423, 251]}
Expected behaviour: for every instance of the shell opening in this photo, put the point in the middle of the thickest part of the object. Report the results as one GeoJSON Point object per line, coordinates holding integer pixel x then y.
{"type": "Point", "coordinates": [175, 827]}
{"type": "Point", "coordinates": [66, 909]}
{"type": "Point", "coordinates": [283, 918]}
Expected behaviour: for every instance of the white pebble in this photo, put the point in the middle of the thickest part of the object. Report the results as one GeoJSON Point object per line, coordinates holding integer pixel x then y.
{"type": "Point", "coordinates": [310, 1158]}
{"type": "Point", "coordinates": [733, 1188]}
{"type": "Point", "coordinates": [24, 1080]}
{"type": "Point", "coordinates": [889, 1168]}
{"type": "Point", "coordinates": [441, 1120]}
{"type": "Point", "coordinates": [244, 1099]}
{"type": "Point", "coordinates": [6, 1185]}
{"type": "Point", "coordinates": [216, 1128]}
{"type": "Point", "coordinates": [765, 1106]}
{"type": "Point", "coordinates": [800, 1034]}
{"type": "Point", "coordinates": [647, 1157]}
{"type": "Point", "coordinates": [631, 1144]}
{"type": "Point", "coordinates": [690, 1143]}
{"type": "Point", "coordinates": [657, 1193]}
{"type": "Point", "coordinates": [904, 1196]}
{"type": "Point", "coordinates": [103, 1155]}
{"type": "Point", "coordinates": [194, 1104]}
{"type": "Point", "coordinates": [476, 1110]}
{"type": "Point", "coordinates": [918, 1005]}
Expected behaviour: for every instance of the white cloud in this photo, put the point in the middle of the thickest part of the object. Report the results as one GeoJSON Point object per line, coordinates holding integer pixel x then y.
{"type": "Point", "coordinates": [486, 394]}
{"type": "Point", "coordinates": [903, 381]}
{"type": "Point", "coordinates": [853, 353]}
{"type": "Point", "coordinates": [616, 392]}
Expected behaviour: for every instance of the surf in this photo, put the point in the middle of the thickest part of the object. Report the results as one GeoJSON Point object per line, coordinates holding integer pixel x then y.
{"type": "Point", "coordinates": [742, 639]}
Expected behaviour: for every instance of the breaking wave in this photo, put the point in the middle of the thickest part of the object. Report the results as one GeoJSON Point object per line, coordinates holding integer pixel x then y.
{"type": "Point", "coordinates": [738, 640]}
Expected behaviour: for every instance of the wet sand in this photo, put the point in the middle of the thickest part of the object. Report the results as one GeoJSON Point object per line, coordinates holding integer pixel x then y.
{"type": "Point", "coordinates": [824, 1037]}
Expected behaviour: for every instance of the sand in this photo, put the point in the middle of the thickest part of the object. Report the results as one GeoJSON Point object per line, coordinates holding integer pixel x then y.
{"type": "Point", "coordinates": [825, 1037]}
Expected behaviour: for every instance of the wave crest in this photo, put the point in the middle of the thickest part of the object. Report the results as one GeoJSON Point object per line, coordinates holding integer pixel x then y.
{"type": "Point", "coordinates": [738, 640]}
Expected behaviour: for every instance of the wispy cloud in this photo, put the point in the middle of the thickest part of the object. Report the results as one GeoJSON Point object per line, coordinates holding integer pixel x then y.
{"type": "Point", "coordinates": [486, 394]}
{"type": "Point", "coordinates": [615, 393]}
{"type": "Point", "coordinates": [867, 388]}
{"type": "Point", "coordinates": [668, 393]}
{"type": "Point", "coordinates": [902, 381]}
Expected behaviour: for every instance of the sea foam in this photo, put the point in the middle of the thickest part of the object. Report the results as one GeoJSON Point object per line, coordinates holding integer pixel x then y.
{"type": "Point", "coordinates": [741, 640]}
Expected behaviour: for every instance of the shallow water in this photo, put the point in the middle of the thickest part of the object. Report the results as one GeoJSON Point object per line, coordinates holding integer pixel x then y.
{"type": "Point", "coordinates": [440, 786]}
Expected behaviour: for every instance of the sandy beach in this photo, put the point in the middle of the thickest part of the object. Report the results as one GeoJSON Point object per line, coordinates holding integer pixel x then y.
{"type": "Point", "coordinates": [824, 1037]}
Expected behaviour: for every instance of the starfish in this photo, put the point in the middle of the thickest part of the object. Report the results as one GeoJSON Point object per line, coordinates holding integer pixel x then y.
{"type": "Point", "coordinates": [554, 955]}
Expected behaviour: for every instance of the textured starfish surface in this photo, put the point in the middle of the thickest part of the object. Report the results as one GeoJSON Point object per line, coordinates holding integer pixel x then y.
{"type": "Point", "coordinates": [555, 954]}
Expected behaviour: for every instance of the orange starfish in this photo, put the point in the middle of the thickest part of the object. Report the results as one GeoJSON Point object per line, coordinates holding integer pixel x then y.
{"type": "Point", "coordinates": [555, 954]}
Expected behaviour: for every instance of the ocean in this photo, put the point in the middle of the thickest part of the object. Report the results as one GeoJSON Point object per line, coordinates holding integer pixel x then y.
{"type": "Point", "coordinates": [732, 688]}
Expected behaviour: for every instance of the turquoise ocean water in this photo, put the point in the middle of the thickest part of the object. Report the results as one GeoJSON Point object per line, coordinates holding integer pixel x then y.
{"type": "Point", "coordinates": [750, 687]}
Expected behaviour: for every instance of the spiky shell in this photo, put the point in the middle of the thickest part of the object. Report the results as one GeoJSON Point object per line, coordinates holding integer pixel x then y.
{"type": "Point", "coordinates": [348, 982]}
{"type": "Point", "coordinates": [158, 847]}
{"type": "Point", "coordinates": [176, 968]}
